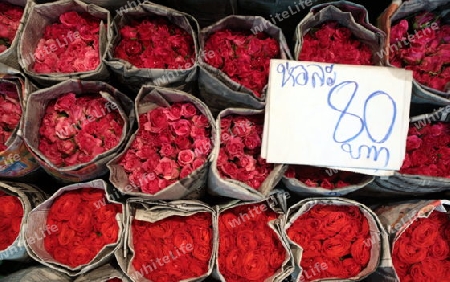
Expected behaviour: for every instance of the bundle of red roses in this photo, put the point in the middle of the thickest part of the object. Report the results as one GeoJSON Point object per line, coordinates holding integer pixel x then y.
{"type": "Point", "coordinates": [249, 249]}
{"type": "Point", "coordinates": [10, 16]}
{"type": "Point", "coordinates": [11, 211]}
{"type": "Point", "coordinates": [77, 128]}
{"type": "Point", "coordinates": [85, 224]}
{"type": "Point", "coordinates": [243, 56]}
{"type": "Point", "coordinates": [335, 239]}
{"type": "Point", "coordinates": [422, 251]}
{"type": "Point", "coordinates": [70, 45]}
{"type": "Point", "coordinates": [114, 280]}
{"type": "Point", "coordinates": [171, 143]}
{"type": "Point", "coordinates": [10, 111]}
{"type": "Point", "coordinates": [337, 44]}
{"type": "Point", "coordinates": [240, 150]}
{"type": "Point", "coordinates": [326, 178]}
{"type": "Point", "coordinates": [155, 43]}
{"type": "Point", "coordinates": [421, 44]}
{"type": "Point", "coordinates": [427, 150]}
{"type": "Point", "coordinates": [172, 249]}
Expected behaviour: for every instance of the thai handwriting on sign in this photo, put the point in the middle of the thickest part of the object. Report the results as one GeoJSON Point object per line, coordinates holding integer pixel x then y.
{"type": "Point", "coordinates": [299, 75]}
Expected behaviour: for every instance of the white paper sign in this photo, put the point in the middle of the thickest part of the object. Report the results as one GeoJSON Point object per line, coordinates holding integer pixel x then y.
{"type": "Point", "coordinates": [342, 116]}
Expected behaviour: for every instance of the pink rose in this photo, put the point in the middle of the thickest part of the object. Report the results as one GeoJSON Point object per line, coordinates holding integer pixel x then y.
{"type": "Point", "coordinates": [128, 32]}
{"type": "Point", "coordinates": [174, 112]}
{"type": "Point", "coordinates": [188, 110]}
{"type": "Point", "coordinates": [182, 127]}
{"type": "Point", "coordinates": [230, 169]}
{"type": "Point", "coordinates": [65, 128]}
{"type": "Point", "coordinates": [183, 142]}
{"type": "Point", "coordinates": [150, 186]}
{"type": "Point", "coordinates": [225, 123]}
{"type": "Point", "coordinates": [202, 147]}
{"type": "Point", "coordinates": [157, 121]}
{"type": "Point", "coordinates": [168, 169]}
{"type": "Point", "coordinates": [66, 146]}
{"type": "Point", "coordinates": [413, 142]}
{"type": "Point", "coordinates": [198, 163]}
{"type": "Point", "coordinates": [186, 171]}
{"type": "Point", "coordinates": [252, 141]}
{"type": "Point", "coordinates": [198, 132]}
{"type": "Point", "coordinates": [167, 150]}
{"type": "Point", "coordinates": [241, 128]}
{"type": "Point", "coordinates": [185, 157]}
{"type": "Point", "coordinates": [399, 31]}
{"type": "Point", "coordinates": [247, 162]}
{"type": "Point", "coordinates": [200, 120]}
{"type": "Point", "coordinates": [235, 146]}
{"type": "Point", "coordinates": [71, 19]}
{"type": "Point", "coordinates": [89, 144]}
{"type": "Point", "coordinates": [66, 102]}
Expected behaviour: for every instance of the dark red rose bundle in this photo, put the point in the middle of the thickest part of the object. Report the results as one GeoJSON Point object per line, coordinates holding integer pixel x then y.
{"type": "Point", "coordinates": [171, 143]}
{"type": "Point", "coordinates": [421, 44]}
{"type": "Point", "coordinates": [428, 151]}
{"type": "Point", "coordinates": [422, 252]}
{"type": "Point", "coordinates": [155, 43]}
{"type": "Point", "coordinates": [10, 16]}
{"type": "Point", "coordinates": [249, 249]}
{"type": "Point", "coordinates": [85, 224]}
{"type": "Point", "coordinates": [115, 280]}
{"type": "Point", "coordinates": [244, 57]}
{"type": "Point", "coordinates": [10, 111]}
{"type": "Point", "coordinates": [172, 249]}
{"type": "Point", "coordinates": [240, 150]}
{"type": "Point", "coordinates": [70, 45]}
{"type": "Point", "coordinates": [335, 239]}
{"type": "Point", "coordinates": [327, 178]}
{"type": "Point", "coordinates": [337, 44]}
{"type": "Point", "coordinates": [77, 128]}
{"type": "Point", "coordinates": [11, 215]}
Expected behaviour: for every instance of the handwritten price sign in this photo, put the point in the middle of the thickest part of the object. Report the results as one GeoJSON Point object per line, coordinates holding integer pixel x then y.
{"type": "Point", "coordinates": [348, 117]}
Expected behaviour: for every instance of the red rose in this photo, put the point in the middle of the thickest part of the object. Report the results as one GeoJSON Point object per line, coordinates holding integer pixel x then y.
{"type": "Point", "coordinates": [352, 267]}
{"type": "Point", "coordinates": [336, 247]}
{"type": "Point", "coordinates": [61, 254]}
{"type": "Point", "coordinates": [360, 251]}
{"type": "Point", "coordinates": [324, 237]}
{"type": "Point", "coordinates": [65, 206]}
{"type": "Point", "coordinates": [66, 235]}
{"type": "Point", "coordinates": [424, 235]}
{"type": "Point", "coordinates": [179, 255]}
{"type": "Point", "coordinates": [82, 220]}
{"type": "Point", "coordinates": [246, 245]}
{"type": "Point", "coordinates": [408, 252]}
{"type": "Point", "coordinates": [80, 255]}
{"type": "Point", "coordinates": [84, 233]}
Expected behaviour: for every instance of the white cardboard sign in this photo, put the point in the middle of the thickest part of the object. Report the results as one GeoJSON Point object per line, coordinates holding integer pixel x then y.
{"type": "Point", "coordinates": [346, 117]}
